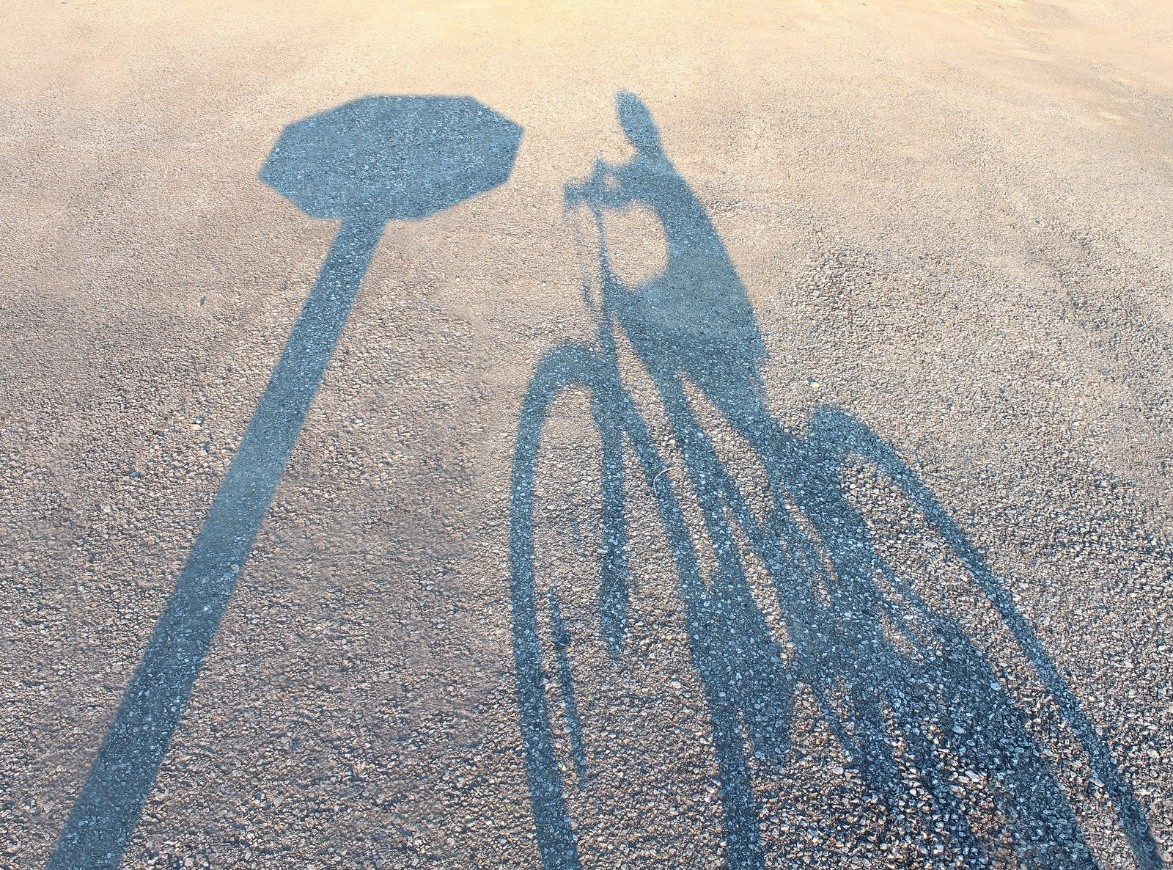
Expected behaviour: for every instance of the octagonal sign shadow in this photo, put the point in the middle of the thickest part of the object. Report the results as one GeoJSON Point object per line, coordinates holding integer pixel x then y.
{"type": "Point", "coordinates": [381, 159]}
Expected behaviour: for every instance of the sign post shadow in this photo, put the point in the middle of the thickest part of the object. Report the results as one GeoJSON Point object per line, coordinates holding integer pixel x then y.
{"type": "Point", "coordinates": [365, 163]}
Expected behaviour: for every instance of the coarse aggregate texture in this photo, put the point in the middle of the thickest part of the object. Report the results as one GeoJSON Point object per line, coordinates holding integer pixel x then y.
{"type": "Point", "coordinates": [951, 219]}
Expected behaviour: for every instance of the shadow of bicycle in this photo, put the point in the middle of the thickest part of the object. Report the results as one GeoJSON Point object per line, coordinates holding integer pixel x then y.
{"type": "Point", "coordinates": [909, 696]}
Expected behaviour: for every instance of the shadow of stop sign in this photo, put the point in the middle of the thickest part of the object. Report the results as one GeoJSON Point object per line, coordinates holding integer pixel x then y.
{"type": "Point", "coordinates": [365, 163]}
{"type": "Point", "coordinates": [383, 159]}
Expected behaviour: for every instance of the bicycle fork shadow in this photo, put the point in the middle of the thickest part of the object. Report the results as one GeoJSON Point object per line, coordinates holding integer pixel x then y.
{"type": "Point", "coordinates": [935, 694]}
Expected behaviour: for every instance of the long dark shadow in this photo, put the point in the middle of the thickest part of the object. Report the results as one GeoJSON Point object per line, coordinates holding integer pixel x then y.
{"type": "Point", "coordinates": [885, 667]}
{"type": "Point", "coordinates": [365, 163]}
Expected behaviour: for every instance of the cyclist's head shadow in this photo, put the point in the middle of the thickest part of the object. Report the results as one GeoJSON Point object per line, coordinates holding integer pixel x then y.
{"type": "Point", "coordinates": [637, 123]}
{"type": "Point", "coordinates": [929, 688]}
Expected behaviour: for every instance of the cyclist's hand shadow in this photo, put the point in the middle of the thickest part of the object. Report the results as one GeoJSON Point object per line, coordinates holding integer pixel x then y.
{"type": "Point", "coordinates": [606, 188]}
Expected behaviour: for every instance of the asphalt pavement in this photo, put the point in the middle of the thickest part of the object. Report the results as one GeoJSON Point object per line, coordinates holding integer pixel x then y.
{"type": "Point", "coordinates": [499, 434]}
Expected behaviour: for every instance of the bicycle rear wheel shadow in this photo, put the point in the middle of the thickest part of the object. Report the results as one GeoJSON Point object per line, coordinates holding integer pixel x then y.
{"type": "Point", "coordinates": [901, 686]}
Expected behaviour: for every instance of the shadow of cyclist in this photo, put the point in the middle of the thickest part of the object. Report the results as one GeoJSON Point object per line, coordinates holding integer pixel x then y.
{"type": "Point", "coordinates": [885, 668]}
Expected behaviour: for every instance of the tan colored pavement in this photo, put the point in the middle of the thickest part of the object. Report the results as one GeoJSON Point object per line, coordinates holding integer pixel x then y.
{"type": "Point", "coordinates": [952, 219]}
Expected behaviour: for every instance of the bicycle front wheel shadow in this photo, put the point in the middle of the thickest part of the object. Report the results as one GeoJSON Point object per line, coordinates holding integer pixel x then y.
{"type": "Point", "coordinates": [562, 369]}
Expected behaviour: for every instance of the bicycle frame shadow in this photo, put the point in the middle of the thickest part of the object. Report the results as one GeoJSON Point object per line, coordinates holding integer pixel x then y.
{"type": "Point", "coordinates": [885, 667]}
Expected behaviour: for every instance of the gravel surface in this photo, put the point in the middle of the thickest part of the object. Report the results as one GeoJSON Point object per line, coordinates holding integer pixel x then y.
{"type": "Point", "coordinates": [950, 219]}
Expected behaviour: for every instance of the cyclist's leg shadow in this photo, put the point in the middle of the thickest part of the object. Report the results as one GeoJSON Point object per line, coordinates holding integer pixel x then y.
{"type": "Point", "coordinates": [945, 699]}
